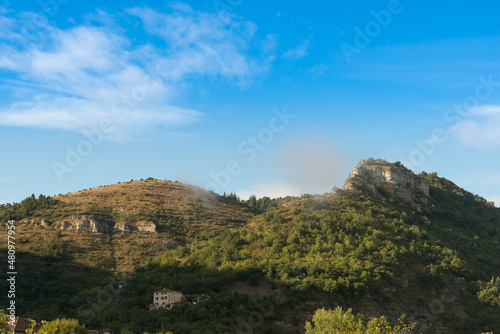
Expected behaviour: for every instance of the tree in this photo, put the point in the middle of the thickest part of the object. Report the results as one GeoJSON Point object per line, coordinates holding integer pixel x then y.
{"type": "Point", "coordinates": [63, 326]}
{"type": "Point", "coordinates": [252, 201]}
{"type": "Point", "coordinates": [340, 322]}
{"type": "Point", "coordinates": [3, 321]}
{"type": "Point", "coordinates": [490, 292]}
{"type": "Point", "coordinates": [334, 321]}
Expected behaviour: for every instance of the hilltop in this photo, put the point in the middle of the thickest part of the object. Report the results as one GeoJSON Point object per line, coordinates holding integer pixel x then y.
{"type": "Point", "coordinates": [389, 242]}
{"type": "Point", "coordinates": [378, 178]}
{"type": "Point", "coordinates": [124, 225]}
{"type": "Point", "coordinates": [149, 206]}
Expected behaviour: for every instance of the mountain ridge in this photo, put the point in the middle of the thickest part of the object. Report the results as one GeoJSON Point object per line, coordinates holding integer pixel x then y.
{"type": "Point", "coordinates": [365, 246]}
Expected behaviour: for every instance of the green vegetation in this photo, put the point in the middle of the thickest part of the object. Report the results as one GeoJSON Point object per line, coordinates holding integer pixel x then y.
{"type": "Point", "coordinates": [63, 326]}
{"type": "Point", "coordinates": [30, 207]}
{"type": "Point", "coordinates": [217, 314]}
{"type": "Point", "coordinates": [3, 321]}
{"type": "Point", "coordinates": [338, 321]}
{"type": "Point", "coordinates": [382, 162]}
{"type": "Point", "coordinates": [490, 292]}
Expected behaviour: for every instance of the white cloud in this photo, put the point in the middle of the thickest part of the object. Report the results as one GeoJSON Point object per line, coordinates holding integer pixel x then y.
{"type": "Point", "coordinates": [481, 129]}
{"type": "Point", "coordinates": [73, 78]}
{"type": "Point", "coordinates": [319, 70]}
{"type": "Point", "coordinates": [49, 112]}
{"type": "Point", "coordinates": [201, 43]}
{"type": "Point", "coordinates": [299, 52]}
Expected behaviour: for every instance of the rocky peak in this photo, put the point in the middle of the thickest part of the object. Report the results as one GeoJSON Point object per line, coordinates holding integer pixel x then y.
{"type": "Point", "coordinates": [379, 177]}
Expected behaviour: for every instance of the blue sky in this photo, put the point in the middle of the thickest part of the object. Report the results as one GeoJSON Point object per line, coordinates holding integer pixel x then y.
{"type": "Point", "coordinates": [268, 98]}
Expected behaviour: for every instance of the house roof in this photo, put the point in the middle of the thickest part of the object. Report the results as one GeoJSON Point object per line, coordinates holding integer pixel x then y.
{"type": "Point", "coordinates": [22, 324]}
{"type": "Point", "coordinates": [165, 290]}
{"type": "Point", "coordinates": [99, 331]}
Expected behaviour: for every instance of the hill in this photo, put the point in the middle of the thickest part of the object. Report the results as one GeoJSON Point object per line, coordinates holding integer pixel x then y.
{"type": "Point", "coordinates": [78, 241]}
{"type": "Point", "coordinates": [151, 206]}
{"type": "Point", "coordinates": [389, 242]}
{"type": "Point", "coordinates": [148, 216]}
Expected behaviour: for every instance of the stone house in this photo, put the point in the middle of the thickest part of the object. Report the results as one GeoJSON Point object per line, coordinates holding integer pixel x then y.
{"type": "Point", "coordinates": [166, 299]}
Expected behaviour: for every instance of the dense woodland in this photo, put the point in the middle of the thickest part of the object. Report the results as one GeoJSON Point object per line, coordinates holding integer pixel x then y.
{"type": "Point", "coordinates": [314, 252]}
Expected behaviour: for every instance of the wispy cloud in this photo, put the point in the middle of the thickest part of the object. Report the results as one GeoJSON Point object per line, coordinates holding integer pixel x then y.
{"type": "Point", "coordinates": [299, 52]}
{"type": "Point", "coordinates": [77, 114]}
{"type": "Point", "coordinates": [73, 78]}
{"type": "Point", "coordinates": [481, 129]}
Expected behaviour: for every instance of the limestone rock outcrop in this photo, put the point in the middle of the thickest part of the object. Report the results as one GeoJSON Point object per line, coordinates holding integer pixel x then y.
{"type": "Point", "coordinates": [146, 227]}
{"type": "Point", "coordinates": [379, 178]}
{"type": "Point", "coordinates": [83, 224]}
{"type": "Point", "coordinates": [43, 223]}
{"type": "Point", "coordinates": [122, 227]}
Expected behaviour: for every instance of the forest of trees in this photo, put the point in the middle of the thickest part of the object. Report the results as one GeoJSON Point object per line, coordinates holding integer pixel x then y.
{"type": "Point", "coordinates": [28, 207]}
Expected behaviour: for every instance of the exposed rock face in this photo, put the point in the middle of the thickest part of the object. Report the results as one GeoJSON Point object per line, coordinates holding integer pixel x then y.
{"type": "Point", "coordinates": [122, 228]}
{"type": "Point", "coordinates": [377, 176]}
{"type": "Point", "coordinates": [43, 223]}
{"type": "Point", "coordinates": [83, 225]}
{"type": "Point", "coordinates": [146, 227]}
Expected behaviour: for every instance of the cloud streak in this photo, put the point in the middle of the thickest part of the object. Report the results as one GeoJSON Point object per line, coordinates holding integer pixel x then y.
{"type": "Point", "coordinates": [72, 78]}
{"type": "Point", "coordinates": [481, 129]}
{"type": "Point", "coordinates": [297, 53]}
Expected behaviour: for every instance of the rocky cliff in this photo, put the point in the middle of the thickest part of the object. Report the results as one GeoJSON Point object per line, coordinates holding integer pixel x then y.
{"type": "Point", "coordinates": [142, 226]}
{"type": "Point", "coordinates": [381, 178]}
{"type": "Point", "coordinates": [83, 224]}
{"type": "Point", "coordinates": [146, 227]}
